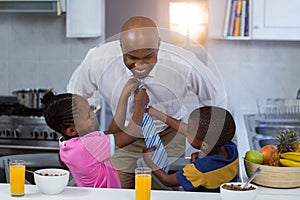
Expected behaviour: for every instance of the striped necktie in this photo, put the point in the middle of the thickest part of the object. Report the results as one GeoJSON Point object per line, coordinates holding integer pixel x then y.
{"type": "Point", "coordinates": [159, 156]}
{"type": "Point", "coordinates": [151, 136]}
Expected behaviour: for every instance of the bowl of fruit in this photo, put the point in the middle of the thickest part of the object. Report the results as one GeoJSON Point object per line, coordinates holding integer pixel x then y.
{"type": "Point", "coordinates": [280, 164]}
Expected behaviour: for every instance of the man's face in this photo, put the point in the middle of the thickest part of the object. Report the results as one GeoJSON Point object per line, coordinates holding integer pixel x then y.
{"type": "Point", "coordinates": [140, 62]}
{"type": "Point", "coordinates": [140, 48]}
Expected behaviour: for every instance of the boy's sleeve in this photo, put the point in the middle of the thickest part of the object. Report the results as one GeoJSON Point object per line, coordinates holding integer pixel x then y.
{"type": "Point", "coordinates": [189, 177]}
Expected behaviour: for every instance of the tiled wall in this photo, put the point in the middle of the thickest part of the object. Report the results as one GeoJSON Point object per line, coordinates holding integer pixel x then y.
{"type": "Point", "coordinates": [35, 53]}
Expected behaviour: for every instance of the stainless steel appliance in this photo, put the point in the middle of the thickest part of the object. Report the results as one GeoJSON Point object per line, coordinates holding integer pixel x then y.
{"type": "Point", "coordinates": [23, 130]}
{"type": "Point", "coordinates": [273, 115]}
{"type": "Point", "coordinates": [30, 97]}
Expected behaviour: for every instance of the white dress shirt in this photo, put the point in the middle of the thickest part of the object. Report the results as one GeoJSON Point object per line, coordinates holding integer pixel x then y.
{"type": "Point", "coordinates": [177, 72]}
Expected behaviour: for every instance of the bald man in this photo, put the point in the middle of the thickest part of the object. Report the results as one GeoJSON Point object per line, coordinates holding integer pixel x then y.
{"type": "Point", "coordinates": [169, 73]}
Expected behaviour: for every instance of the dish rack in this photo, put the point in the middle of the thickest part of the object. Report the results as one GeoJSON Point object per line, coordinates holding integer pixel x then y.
{"type": "Point", "coordinates": [279, 109]}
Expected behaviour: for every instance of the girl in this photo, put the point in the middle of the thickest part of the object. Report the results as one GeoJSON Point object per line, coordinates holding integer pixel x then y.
{"type": "Point", "coordinates": [84, 150]}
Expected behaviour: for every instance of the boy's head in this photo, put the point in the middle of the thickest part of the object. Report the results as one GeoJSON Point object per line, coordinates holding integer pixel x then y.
{"type": "Point", "coordinates": [213, 125]}
{"type": "Point", "coordinates": [68, 114]}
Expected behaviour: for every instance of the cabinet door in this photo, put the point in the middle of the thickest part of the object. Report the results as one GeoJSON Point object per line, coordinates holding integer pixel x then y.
{"type": "Point", "coordinates": [276, 19]}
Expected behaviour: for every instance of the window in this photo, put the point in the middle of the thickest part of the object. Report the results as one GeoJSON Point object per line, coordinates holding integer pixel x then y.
{"type": "Point", "coordinates": [190, 19]}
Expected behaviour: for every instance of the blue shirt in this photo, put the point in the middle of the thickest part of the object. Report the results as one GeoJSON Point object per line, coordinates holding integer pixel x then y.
{"type": "Point", "coordinates": [206, 174]}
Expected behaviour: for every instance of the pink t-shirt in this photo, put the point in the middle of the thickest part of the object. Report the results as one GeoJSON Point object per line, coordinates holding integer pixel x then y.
{"type": "Point", "coordinates": [88, 159]}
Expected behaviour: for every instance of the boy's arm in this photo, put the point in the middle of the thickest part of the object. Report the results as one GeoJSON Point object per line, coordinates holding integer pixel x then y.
{"type": "Point", "coordinates": [176, 124]}
{"type": "Point", "coordinates": [118, 122]}
{"type": "Point", "coordinates": [169, 180]}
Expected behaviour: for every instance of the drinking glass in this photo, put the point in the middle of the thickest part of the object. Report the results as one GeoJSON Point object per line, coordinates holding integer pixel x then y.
{"type": "Point", "coordinates": [142, 183]}
{"type": "Point", "coordinates": [17, 177]}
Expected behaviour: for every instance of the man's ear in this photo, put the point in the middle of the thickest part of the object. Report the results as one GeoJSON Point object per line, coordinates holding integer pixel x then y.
{"type": "Point", "coordinates": [71, 131]}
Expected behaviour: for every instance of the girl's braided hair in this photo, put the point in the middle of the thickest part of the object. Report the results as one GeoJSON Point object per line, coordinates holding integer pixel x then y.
{"type": "Point", "coordinates": [60, 111]}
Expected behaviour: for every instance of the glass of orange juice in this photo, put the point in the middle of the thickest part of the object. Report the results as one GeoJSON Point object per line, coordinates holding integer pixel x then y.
{"type": "Point", "coordinates": [17, 177]}
{"type": "Point", "coordinates": [142, 183]}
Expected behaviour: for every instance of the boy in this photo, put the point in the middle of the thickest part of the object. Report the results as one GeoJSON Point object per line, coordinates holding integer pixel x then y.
{"type": "Point", "coordinates": [209, 129]}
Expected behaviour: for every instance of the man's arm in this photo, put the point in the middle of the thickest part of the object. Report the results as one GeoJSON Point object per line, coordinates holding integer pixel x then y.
{"type": "Point", "coordinates": [83, 81]}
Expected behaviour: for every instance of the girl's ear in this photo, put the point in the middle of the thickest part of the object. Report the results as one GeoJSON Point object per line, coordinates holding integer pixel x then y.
{"type": "Point", "coordinates": [71, 131]}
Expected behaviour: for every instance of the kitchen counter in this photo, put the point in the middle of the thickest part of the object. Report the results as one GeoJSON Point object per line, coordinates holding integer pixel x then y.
{"type": "Point", "coordinates": [31, 192]}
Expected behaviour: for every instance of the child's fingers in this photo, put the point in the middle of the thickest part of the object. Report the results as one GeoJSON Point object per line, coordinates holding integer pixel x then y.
{"type": "Point", "coordinates": [147, 150]}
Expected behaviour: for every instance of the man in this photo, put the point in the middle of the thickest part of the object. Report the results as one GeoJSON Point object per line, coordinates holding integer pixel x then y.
{"type": "Point", "coordinates": [168, 72]}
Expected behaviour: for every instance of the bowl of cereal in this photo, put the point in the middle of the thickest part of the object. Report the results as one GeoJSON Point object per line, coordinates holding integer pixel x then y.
{"type": "Point", "coordinates": [51, 181]}
{"type": "Point", "coordinates": [235, 191]}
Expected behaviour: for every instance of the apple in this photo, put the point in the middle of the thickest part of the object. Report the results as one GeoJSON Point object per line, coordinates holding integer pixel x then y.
{"type": "Point", "coordinates": [267, 152]}
{"type": "Point", "coordinates": [254, 157]}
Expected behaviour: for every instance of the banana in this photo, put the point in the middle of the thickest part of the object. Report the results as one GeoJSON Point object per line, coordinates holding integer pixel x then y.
{"type": "Point", "coordinates": [295, 156]}
{"type": "Point", "coordinates": [289, 163]}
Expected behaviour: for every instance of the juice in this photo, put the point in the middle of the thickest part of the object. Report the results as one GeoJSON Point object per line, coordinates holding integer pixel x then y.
{"type": "Point", "coordinates": [142, 186]}
{"type": "Point", "coordinates": [17, 179]}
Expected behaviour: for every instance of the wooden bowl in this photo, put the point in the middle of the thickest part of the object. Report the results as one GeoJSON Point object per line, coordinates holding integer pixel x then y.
{"type": "Point", "coordinates": [275, 177]}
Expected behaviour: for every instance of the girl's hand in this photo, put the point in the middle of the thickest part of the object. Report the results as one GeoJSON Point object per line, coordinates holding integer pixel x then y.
{"type": "Point", "coordinates": [131, 85]}
{"type": "Point", "coordinates": [141, 97]}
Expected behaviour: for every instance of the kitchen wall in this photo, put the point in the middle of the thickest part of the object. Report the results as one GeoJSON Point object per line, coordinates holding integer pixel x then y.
{"type": "Point", "coordinates": [257, 69]}
{"type": "Point", "coordinates": [35, 53]}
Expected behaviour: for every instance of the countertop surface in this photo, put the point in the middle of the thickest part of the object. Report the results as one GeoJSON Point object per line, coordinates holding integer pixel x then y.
{"type": "Point", "coordinates": [31, 192]}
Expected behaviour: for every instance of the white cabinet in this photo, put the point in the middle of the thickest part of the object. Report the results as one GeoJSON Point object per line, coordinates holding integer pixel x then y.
{"type": "Point", "coordinates": [276, 19]}
{"type": "Point", "coordinates": [85, 18]}
{"type": "Point", "coordinates": [268, 20]}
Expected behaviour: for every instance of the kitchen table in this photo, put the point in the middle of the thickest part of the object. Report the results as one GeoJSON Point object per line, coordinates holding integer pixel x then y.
{"type": "Point", "coordinates": [31, 192]}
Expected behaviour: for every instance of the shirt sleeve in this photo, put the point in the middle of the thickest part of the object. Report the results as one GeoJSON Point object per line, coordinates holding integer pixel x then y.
{"type": "Point", "coordinates": [207, 85]}
{"type": "Point", "coordinates": [189, 177]}
{"type": "Point", "coordinates": [82, 81]}
{"type": "Point", "coordinates": [101, 147]}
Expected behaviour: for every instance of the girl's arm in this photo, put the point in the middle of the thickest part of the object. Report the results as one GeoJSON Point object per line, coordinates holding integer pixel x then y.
{"type": "Point", "coordinates": [174, 123]}
{"type": "Point", "coordinates": [133, 130]}
{"type": "Point", "coordinates": [118, 122]}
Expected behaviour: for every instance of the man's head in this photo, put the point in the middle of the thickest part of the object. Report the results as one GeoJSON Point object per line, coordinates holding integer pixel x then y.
{"type": "Point", "coordinates": [140, 44]}
{"type": "Point", "coordinates": [213, 125]}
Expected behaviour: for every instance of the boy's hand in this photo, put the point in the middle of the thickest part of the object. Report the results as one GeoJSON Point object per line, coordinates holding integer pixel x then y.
{"type": "Point", "coordinates": [194, 156]}
{"type": "Point", "coordinates": [147, 152]}
{"type": "Point", "coordinates": [152, 111]}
